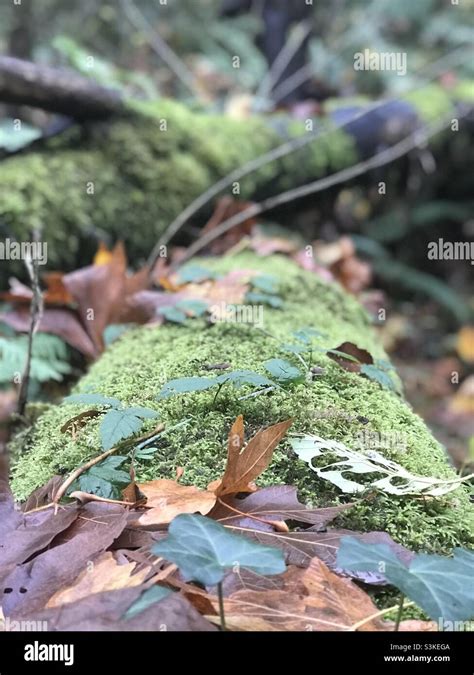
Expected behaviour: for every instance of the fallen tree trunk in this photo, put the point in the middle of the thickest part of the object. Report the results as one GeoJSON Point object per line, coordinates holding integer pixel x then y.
{"type": "Point", "coordinates": [59, 91]}
{"type": "Point", "coordinates": [337, 405]}
{"type": "Point", "coordinates": [131, 177]}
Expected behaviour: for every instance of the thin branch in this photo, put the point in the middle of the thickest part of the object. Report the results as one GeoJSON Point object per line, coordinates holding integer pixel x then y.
{"type": "Point", "coordinates": [36, 312]}
{"type": "Point", "coordinates": [286, 87]}
{"type": "Point", "coordinates": [159, 46]}
{"type": "Point", "coordinates": [283, 150]}
{"type": "Point", "coordinates": [379, 159]}
{"type": "Point", "coordinates": [78, 472]}
{"type": "Point", "coordinates": [289, 49]}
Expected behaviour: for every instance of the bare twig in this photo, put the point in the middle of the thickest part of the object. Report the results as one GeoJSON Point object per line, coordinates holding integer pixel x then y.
{"type": "Point", "coordinates": [78, 472]}
{"type": "Point", "coordinates": [382, 612]}
{"type": "Point", "coordinates": [379, 159]}
{"type": "Point", "coordinates": [283, 150]}
{"type": "Point", "coordinates": [291, 46]}
{"type": "Point", "coordinates": [36, 312]}
{"type": "Point", "coordinates": [159, 46]}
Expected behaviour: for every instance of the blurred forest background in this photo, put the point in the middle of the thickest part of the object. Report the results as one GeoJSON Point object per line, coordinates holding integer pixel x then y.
{"type": "Point", "coordinates": [298, 61]}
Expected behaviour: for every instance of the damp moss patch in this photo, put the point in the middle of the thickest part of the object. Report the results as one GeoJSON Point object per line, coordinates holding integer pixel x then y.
{"type": "Point", "coordinates": [337, 405]}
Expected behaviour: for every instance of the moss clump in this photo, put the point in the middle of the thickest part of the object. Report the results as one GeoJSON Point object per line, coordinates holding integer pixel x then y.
{"type": "Point", "coordinates": [145, 169]}
{"type": "Point", "coordinates": [148, 166]}
{"type": "Point", "coordinates": [136, 367]}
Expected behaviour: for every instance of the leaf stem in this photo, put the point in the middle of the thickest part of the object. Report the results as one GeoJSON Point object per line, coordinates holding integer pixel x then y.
{"type": "Point", "coordinates": [220, 595]}
{"type": "Point", "coordinates": [399, 613]}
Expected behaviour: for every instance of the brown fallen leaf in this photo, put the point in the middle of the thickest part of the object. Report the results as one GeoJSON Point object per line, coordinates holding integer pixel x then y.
{"type": "Point", "coordinates": [32, 584]}
{"type": "Point", "coordinates": [313, 599]}
{"type": "Point", "coordinates": [168, 499]}
{"type": "Point", "coordinates": [273, 504]}
{"type": "Point", "coordinates": [98, 291]}
{"type": "Point", "coordinates": [107, 611]}
{"type": "Point", "coordinates": [61, 322]}
{"type": "Point", "coordinates": [43, 495]}
{"type": "Point", "coordinates": [245, 465]}
{"type": "Point", "coordinates": [24, 534]}
{"type": "Point", "coordinates": [104, 574]}
{"type": "Point", "coordinates": [301, 547]}
{"type": "Point", "coordinates": [361, 356]}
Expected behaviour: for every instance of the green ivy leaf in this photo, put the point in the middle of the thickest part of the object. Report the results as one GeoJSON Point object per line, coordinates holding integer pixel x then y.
{"type": "Point", "coordinates": [283, 371]}
{"type": "Point", "coordinates": [294, 349]}
{"type": "Point", "coordinates": [117, 425]}
{"type": "Point", "coordinates": [184, 385]}
{"type": "Point", "coordinates": [147, 599]}
{"type": "Point", "coordinates": [442, 587]}
{"type": "Point", "coordinates": [204, 550]}
{"type": "Point", "coordinates": [93, 399]}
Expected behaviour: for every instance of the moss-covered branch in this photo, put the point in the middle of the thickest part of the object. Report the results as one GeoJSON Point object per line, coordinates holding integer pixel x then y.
{"type": "Point", "coordinates": [129, 179]}
{"type": "Point", "coordinates": [337, 405]}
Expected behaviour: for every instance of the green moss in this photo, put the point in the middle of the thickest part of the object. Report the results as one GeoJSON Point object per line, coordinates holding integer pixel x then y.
{"type": "Point", "coordinates": [135, 368]}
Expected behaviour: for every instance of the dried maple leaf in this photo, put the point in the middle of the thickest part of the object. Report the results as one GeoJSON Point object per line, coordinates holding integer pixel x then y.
{"type": "Point", "coordinates": [244, 465]}
{"type": "Point", "coordinates": [168, 499]}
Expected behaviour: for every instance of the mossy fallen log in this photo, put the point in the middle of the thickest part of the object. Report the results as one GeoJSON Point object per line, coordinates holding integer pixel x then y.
{"type": "Point", "coordinates": [337, 405]}
{"type": "Point", "coordinates": [130, 177]}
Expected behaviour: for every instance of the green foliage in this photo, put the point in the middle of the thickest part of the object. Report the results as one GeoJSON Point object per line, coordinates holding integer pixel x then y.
{"type": "Point", "coordinates": [184, 385]}
{"type": "Point", "coordinates": [204, 550]}
{"type": "Point", "coordinates": [265, 291]}
{"type": "Point", "coordinates": [148, 598]}
{"type": "Point", "coordinates": [48, 362]}
{"type": "Point", "coordinates": [265, 283]}
{"type": "Point", "coordinates": [179, 312]}
{"type": "Point", "coordinates": [93, 399]}
{"type": "Point", "coordinates": [377, 375]}
{"type": "Point", "coordinates": [104, 479]}
{"type": "Point", "coordinates": [442, 587]}
{"type": "Point", "coordinates": [117, 424]}
{"type": "Point", "coordinates": [237, 378]}
{"type": "Point", "coordinates": [264, 299]}
{"type": "Point", "coordinates": [114, 331]}
{"type": "Point", "coordinates": [13, 139]}
{"type": "Point", "coordinates": [195, 274]}
{"type": "Point", "coordinates": [284, 372]}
